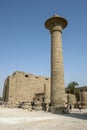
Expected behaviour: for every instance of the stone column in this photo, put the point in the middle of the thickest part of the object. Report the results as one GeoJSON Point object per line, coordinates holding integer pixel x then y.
{"type": "Point", "coordinates": [55, 24]}
{"type": "Point", "coordinates": [46, 94]}
{"type": "Point", "coordinates": [84, 99]}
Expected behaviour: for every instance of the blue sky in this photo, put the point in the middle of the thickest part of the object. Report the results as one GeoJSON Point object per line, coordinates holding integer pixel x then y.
{"type": "Point", "coordinates": [25, 42]}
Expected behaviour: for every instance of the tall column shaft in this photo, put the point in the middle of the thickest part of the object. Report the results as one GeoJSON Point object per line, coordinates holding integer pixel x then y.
{"type": "Point", "coordinates": [57, 71]}
{"type": "Point", "coordinates": [56, 24]}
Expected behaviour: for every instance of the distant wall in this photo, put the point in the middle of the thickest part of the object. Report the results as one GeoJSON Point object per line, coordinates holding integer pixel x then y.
{"type": "Point", "coordinates": [23, 87]}
{"type": "Point", "coordinates": [84, 99]}
{"type": "Point", "coordinates": [71, 98]}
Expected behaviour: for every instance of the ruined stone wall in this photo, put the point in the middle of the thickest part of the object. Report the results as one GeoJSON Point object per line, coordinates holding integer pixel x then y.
{"type": "Point", "coordinates": [23, 87]}
{"type": "Point", "coordinates": [6, 90]}
{"type": "Point", "coordinates": [71, 98]}
{"type": "Point", "coordinates": [84, 99]}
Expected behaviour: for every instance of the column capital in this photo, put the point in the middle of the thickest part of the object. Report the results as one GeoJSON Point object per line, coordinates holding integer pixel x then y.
{"type": "Point", "coordinates": [56, 23]}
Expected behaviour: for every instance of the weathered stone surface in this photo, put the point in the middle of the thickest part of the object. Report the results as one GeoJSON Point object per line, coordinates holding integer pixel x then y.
{"type": "Point", "coordinates": [55, 25]}
{"type": "Point", "coordinates": [46, 94]}
{"type": "Point", "coordinates": [84, 99]}
{"type": "Point", "coordinates": [24, 87]}
{"type": "Point", "coordinates": [71, 99]}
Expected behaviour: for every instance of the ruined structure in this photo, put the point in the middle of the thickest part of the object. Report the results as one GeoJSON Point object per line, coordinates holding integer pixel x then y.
{"type": "Point", "coordinates": [84, 99]}
{"type": "Point", "coordinates": [56, 24]}
{"type": "Point", "coordinates": [24, 87]}
{"type": "Point", "coordinates": [71, 99]}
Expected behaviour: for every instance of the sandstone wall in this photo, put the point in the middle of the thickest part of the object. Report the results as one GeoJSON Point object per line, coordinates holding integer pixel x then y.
{"type": "Point", "coordinates": [84, 99]}
{"type": "Point", "coordinates": [23, 87]}
{"type": "Point", "coordinates": [71, 98]}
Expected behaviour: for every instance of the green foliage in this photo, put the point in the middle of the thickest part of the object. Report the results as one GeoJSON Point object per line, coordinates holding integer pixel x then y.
{"type": "Point", "coordinates": [1, 98]}
{"type": "Point", "coordinates": [71, 87]}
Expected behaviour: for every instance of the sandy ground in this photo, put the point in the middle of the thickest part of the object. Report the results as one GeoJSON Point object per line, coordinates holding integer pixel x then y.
{"type": "Point", "coordinates": [18, 119]}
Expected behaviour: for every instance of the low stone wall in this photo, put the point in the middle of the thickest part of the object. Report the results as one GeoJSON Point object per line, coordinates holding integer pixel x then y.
{"type": "Point", "coordinates": [71, 99]}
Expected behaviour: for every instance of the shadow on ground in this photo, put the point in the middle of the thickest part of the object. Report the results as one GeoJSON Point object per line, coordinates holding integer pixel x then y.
{"type": "Point", "coordinates": [77, 115]}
